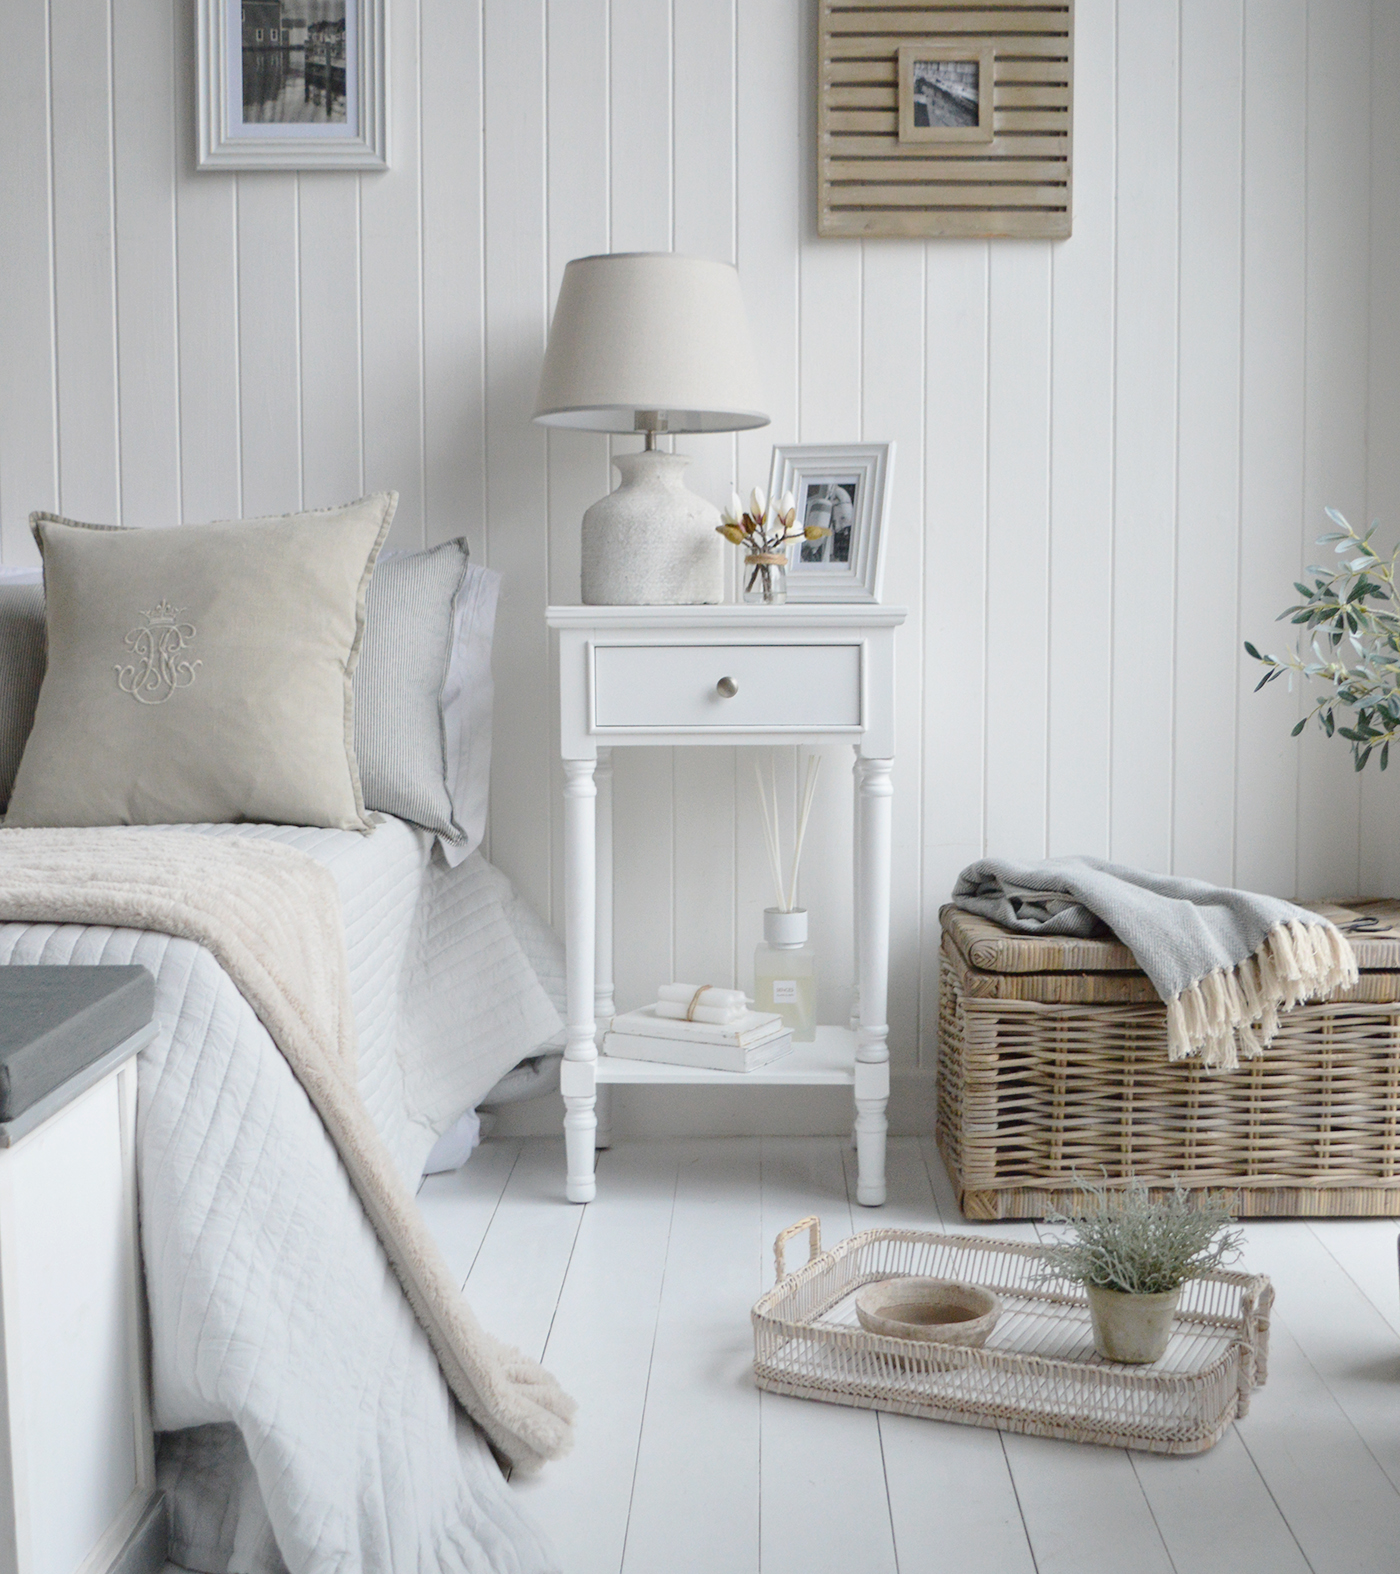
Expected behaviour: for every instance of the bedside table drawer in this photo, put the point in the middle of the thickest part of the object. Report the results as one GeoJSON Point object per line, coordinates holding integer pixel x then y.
{"type": "Point", "coordinates": [726, 688]}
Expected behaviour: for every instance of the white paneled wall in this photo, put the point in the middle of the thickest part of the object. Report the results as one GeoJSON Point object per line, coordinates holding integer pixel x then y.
{"type": "Point", "coordinates": [1112, 451]}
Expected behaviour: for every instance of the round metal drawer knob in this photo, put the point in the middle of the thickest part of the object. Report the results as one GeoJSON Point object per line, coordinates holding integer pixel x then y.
{"type": "Point", "coordinates": [727, 687]}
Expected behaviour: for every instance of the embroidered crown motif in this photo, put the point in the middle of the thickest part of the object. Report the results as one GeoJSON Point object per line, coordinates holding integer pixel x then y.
{"type": "Point", "coordinates": [158, 645]}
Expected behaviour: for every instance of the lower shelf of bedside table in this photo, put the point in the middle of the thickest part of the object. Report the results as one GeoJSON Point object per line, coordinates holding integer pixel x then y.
{"type": "Point", "coordinates": [831, 1059]}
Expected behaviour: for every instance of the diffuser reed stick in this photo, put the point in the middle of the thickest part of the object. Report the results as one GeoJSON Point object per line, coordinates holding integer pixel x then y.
{"type": "Point", "coordinates": [785, 891]}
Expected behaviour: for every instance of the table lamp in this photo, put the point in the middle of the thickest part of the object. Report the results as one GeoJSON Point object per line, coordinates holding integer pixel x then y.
{"type": "Point", "coordinates": [650, 342]}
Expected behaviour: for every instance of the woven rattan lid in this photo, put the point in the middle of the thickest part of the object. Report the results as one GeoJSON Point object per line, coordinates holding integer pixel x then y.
{"type": "Point", "coordinates": [1062, 969]}
{"type": "Point", "coordinates": [988, 946]}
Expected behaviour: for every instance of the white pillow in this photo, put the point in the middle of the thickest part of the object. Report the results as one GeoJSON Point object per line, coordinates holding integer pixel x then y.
{"type": "Point", "coordinates": [423, 693]}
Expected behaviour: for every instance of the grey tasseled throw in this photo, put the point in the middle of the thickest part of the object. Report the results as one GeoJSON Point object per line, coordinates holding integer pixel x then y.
{"type": "Point", "coordinates": [1225, 962]}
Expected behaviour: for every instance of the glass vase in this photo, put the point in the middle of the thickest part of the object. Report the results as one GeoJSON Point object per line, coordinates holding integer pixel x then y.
{"type": "Point", "coordinates": [765, 581]}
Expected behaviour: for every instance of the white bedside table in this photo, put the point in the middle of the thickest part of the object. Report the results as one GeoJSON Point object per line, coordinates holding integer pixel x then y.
{"type": "Point", "coordinates": [723, 675]}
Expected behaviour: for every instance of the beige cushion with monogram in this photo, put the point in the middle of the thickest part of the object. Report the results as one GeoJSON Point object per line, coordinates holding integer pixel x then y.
{"type": "Point", "coordinates": [201, 672]}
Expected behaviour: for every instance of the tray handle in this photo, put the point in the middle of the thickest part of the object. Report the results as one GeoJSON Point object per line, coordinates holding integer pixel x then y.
{"type": "Point", "coordinates": [813, 1226]}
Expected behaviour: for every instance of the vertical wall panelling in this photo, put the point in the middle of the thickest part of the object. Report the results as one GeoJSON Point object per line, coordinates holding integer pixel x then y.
{"type": "Point", "coordinates": [894, 278]}
{"type": "Point", "coordinates": [1081, 459]}
{"type": "Point", "coordinates": [206, 308]}
{"type": "Point", "coordinates": [85, 283]}
{"type": "Point", "coordinates": [1272, 425]}
{"type": "Point", "coordinates": [1338, 277]}
{"type": "Point", "coordinates": [1208, 458]}
{"type": "Point", "coordinates": [1380, 794]}
{"type": "Point", "coordinates": [328, 312]}
{"type": "Point", "coordinates": [454, 501]}
{"type": "Point", "coordinates": [516, 303]}
{"type": "Point", "coordinates": [1113, 451]}
{"type": "Point", "coordinates": [640, 76]}
{"type": "Point", "coordinates": [1145, 405]}
{"type": "Point", "coordinates": [268, 337]}
{"type": "Point", "coordinates": [28, 412]}
{"type": "Point", "coordinates": [1018, 541]}
{"type": "Point", "coordinates": [143, 115]}
{"type": "Point", "coordinates": [954, 590]}
{"type": "Point", "coordinates": [391, 273]}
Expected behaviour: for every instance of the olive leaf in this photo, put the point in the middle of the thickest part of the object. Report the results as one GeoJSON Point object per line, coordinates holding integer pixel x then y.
{"type": "Point", "coordinates": [1355, 603]}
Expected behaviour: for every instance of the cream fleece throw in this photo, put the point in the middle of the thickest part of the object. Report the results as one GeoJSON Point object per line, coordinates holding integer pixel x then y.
{"type": "Point", "coordinates": [270, 915]}
{"type": "Point", "coordinates": [1225, 962]}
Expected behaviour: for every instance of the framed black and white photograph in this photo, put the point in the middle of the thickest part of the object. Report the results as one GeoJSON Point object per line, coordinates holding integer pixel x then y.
{"type": "Point", "coordinates": [840, 490]}
{"type": "Point", "coordinates": [945, 91]}
{"type": "Point", "coordinates": [292, 84]}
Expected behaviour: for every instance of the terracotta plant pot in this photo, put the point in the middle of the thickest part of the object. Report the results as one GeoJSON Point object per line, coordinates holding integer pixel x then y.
{"type": "Point", "coordinates": [1133, 1329]}
{"type": "Point", "coordinates": [942, 1311]}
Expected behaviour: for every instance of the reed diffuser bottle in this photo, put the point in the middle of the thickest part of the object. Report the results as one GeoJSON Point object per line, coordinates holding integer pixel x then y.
{"type": "Point", "coordinates": [784, 974]}
{"type": "Point", "coordinates": [784, 967]}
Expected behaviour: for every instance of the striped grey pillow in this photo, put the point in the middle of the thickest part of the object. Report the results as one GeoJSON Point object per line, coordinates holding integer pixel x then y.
{"type": "Point", "coordinates": [22, 660]}
{"type": "Point", "coordinates": [422, 693]}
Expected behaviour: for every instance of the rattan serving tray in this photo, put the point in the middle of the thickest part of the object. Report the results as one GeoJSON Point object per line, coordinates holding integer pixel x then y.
{"type": "Point", "coordinates": [1038, 1372]}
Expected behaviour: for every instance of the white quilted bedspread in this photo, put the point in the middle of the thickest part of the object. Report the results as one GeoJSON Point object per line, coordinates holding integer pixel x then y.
{"type": "Point", "coordinates": [306, 1424]}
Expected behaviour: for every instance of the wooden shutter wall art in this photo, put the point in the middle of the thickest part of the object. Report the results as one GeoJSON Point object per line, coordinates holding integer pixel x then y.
{"type": "Point", "coordinates": [947, 182]}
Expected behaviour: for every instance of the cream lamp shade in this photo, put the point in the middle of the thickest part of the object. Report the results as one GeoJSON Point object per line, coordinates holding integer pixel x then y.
{"type": "Point", "coordinates": [650, 341]}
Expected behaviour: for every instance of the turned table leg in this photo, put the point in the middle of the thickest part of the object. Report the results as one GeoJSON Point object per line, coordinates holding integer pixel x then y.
{"type": "Point", "coordinates": [872, 1081]}
{"type": "Point", "coordinates": [577, 1081]}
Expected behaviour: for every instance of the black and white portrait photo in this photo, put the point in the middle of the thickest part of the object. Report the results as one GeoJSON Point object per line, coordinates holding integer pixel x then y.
{"type": "Point", "coordinates": [294, 55]}
{"type": "Point", "coordinates": [839, 491]}
{"type": "Point", "coordinates": [829, 502]}
{"type": "Point", "coordinates": [946, 92]}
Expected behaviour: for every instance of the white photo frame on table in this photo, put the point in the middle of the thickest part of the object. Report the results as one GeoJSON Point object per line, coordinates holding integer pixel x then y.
{"type": "Point", "coordinates": [843, 487]}
{"type": "Point", "coordinates": [309, 95]}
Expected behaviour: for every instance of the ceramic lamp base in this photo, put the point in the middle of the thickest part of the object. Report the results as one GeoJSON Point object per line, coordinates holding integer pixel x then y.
{"type": "Point", "coordinates": [652, 542]}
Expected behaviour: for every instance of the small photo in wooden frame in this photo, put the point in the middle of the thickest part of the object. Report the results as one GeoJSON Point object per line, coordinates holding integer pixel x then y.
{"type": "Point", "coordinates": [946, 90]}
{"type": "Point", "coordinates": [842, 489]}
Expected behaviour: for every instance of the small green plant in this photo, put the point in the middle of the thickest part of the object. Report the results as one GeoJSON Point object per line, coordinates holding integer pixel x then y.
{"type": "Point", "coordinates": [1122, 1240]}
{"type": "Point", "coordinates": [1355, 604]}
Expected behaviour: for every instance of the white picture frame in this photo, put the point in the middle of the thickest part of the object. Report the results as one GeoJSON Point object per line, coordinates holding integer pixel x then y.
{"type": "Point", "coordinates": [332, 113]}
{"type": "Point", "coordinates": [845, 487]}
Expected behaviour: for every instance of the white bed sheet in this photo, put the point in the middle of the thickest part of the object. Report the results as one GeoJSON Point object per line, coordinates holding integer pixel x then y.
{"type": "Point", "coordinates": [307, 1424]}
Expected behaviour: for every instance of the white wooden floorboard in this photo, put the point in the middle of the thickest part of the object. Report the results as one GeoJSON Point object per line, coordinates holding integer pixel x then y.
{"type": "Point", "coordinates": [459, 1206]}
{"type": "Point", "coordinates": [1345, 1340]}
{"type": "Point", "coordinates": [640, 1305]}
{"type": "Point", "coordinates": [695, 1502]}
{"type": "Point", "coordinates": [1215, 1512]}
{"type": "Point", "coordinates": [824, 1499]}
{"type": "Point", "coordinates": [1366, 1251]}
{"type": "Point", "coordinates": [972, 1519]}
{"type": "Point", "coordinates": [516, 1279]}
{"type": "Point", "coordinates": [1337, 1501]}
{"type": "Point", "coordinates": [1084, 1510]}
{"type": "Point", "coordinates": [601, 1348]}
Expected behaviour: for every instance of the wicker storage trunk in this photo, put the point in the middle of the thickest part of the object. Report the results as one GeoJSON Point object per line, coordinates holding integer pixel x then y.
{"type": "Point", "coordinates": [1052, 1066]}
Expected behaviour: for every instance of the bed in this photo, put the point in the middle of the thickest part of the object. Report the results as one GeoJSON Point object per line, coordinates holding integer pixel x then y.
{"type": "Point", "coordinates": [304, 1416]}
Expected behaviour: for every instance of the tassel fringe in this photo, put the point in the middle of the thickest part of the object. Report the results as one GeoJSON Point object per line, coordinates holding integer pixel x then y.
{"type": "Point", "coordinates": [1229, 1016]}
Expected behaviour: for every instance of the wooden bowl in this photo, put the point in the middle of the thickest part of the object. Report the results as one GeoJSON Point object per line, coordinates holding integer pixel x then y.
{"type": "Point", "coordinates": [941, 1311]}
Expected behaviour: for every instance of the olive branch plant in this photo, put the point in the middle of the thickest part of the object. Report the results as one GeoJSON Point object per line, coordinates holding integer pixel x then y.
{"type": "Point", "coordinates": [1355, 605]}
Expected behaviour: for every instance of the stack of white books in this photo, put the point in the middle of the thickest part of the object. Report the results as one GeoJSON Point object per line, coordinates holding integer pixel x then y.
{"type": "Point", "coordinates": [713, 1030]}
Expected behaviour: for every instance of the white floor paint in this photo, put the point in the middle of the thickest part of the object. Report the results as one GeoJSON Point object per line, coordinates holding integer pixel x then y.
{"type": "Point", "coordinates": [640, 1302]}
